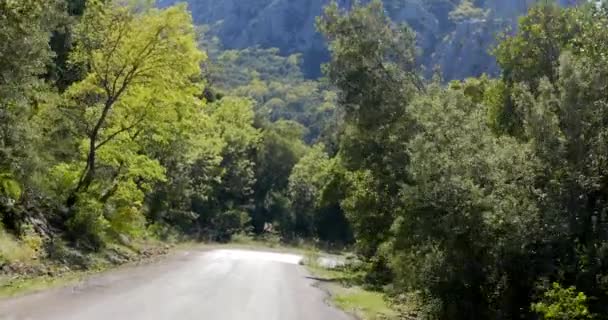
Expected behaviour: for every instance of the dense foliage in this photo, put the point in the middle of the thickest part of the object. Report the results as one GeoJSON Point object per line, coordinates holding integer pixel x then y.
{"type": "Point", "coordinates": [117, 124]}
{"type": "Point", "coordinates": [484, 198]}
{"type": "Point", "coordinates": [478, 195]}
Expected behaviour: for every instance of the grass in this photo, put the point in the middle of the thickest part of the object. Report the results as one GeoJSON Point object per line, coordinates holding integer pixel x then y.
{"type": "Point", "coordinates": [12, 250]}
{"type": "Point", "coordinates": [367, 305]}
{"type": "Point", "coordinates": [11, 287]}
{"type": "Point", "coordinates": [59, 275]}
{"type": "Point", "coordinates": [344, 286]}
{"type": "Point", "coordinates": [347, 292]}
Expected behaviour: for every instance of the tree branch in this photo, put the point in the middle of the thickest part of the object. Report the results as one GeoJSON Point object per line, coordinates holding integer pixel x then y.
{"type": "Point", "coordinates": [123, 129]}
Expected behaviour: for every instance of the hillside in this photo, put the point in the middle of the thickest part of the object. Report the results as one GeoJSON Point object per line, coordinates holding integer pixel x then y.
{"type": "Point", "coordinates": [459, 44]}
{"type": "Point", "coordinates": [126, 128]}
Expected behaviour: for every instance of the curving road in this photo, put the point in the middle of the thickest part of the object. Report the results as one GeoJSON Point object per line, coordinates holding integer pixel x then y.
{"type": "Point", "coordinates": [201, 285]}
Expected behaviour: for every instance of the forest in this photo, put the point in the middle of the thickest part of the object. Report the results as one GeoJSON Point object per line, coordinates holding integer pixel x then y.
{"type": "Point", "coordinates": [482, 198]}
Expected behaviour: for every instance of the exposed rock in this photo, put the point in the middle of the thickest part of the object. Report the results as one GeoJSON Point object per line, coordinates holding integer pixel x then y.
{"type": "Point", "coordinates": [514, 8]}
{"type": "Point", "coordinates": [466, 51]}
{"type": "Point", "coordinates": [61, 253]}
{"type": "Point", "coordinates": [460, 49]}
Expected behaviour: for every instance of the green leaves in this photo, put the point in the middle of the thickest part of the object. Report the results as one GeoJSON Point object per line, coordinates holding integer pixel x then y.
{"type": "Point", "coordinates": [534, 51]}
{"type": "Point", "coordinates": [466, 10]}
{"type": "Point", "coordinates": [560, 303]}
{"type": "Point", "coordinates": [507, 180]}
{"type": "Point", "coordinates": [9, 187]}
{"type": "Point", "coordinates": [315, 194]}
{"type": "Point", "coordinates": [275, 85]}
{"type": "Point", "coordinates": [139, 91]}
{"type": "Point", "coordinates": [373, 63]}
{"type": "Point", "coordinates": [25, 29]}
{"type": "Point", "coordinates": [373, 67]}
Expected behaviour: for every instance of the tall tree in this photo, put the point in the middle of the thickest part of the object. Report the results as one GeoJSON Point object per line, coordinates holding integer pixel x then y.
{"type": "Point", "coordinates": [373, 67]}
{"type": "Point", "coordinates": [280, 149]}
{"type": "Point", "coordinates": [142, 68]}
{"type": "Point", "coordinates": [224, 209]}
{"type": "Point", "coordinates": [534, 51]}
{"type": "Point", "coordinates": [471, 206]}
{"type": "Point", "coordinates": [315, 198]}
{"type": "Point", "coordinates": [25, 29]}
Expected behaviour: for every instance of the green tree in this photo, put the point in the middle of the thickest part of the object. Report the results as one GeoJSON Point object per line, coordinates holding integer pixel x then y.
{"type": "Point", "coordinates": [191, 154]}
{"type": "Point", "coordinates": [534, 51]}
{"type": "Point", "coordinates": [373, 67]}
{"type": "Point", "coordinates": [470, 206]}
{"type": "Point", "coordinates": [142, 67]}
{"type": "Point", "coordinates": [562, 304]}
{"type": "Point", "coordinates": [25, 28]}
{"type": "Point", "coordinates": [315, 200]}
{"type": "Point", "coordinates": [530, 55]}
{"type": "Point", "coordinates": [279, 151]}
{"type": "Point", "coordinates": [225, 208]}
{"type": "Point", "coordinates": [566, 128]}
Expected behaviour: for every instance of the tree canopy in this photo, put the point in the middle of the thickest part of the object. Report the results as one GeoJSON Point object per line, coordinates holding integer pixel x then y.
{"type": "Point", "coordinates": [481, 198]}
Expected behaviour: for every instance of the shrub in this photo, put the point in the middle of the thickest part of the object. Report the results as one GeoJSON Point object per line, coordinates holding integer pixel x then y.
{"type": "Point", "coordinates": [60, 252]}
{"type": "Point", "coordinates": [12, 250]}
{"type": "Point", "coordinates": [88, 227]}
{"type": "Point", "coordinates": [242, 238]}
{"type": "Point", "coordinates": [32, 239]}
{"type": "Point", "coordinates": [559, 303]}
{"type": "Point", "coordinates": [230, 223]}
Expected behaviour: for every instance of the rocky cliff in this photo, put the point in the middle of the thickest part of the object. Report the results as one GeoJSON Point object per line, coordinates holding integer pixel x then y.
{"type": "Point", "coordinates": [460, 48]}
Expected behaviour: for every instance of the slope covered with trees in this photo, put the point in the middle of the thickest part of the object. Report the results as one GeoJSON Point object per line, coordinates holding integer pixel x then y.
{"type": "Point", "coordinates": [482, 198]}
{"type": "Point", "coordinates": [117, 125]}
{"type": "Point", "coordinates": [455, 35]}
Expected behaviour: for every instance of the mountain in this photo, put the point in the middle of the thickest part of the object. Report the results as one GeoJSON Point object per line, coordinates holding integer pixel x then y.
{"type": "Point", "coordinates": [455, 35]}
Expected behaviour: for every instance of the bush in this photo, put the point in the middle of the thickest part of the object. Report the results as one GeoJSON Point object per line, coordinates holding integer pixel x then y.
{"type": "Point", "coordinates": [12, 250]}
{"type": "Point", "coordinates": [271, 239]}
{"type": "Point", "coordinates": [242, 238]}
{"type": "Point", "coordinates": [311, 258]}
{"type": "Point", "coordinates": [231, 222]}
{"type": "Point", "coordinates": [127, 221]}
{"type": "Point", "coordinates": [88, 227]}
{"type": "Point", "coordinates": [378, 272]}
{"type": "Point", "coordinates": [559, 303]}
{"type": "Point", "coordinates": [32, 239]}
{"type": "Point", "coordinates": [417, 305]}
{"type": "Point", "coordinates": [163, 232]}
{"type": "Point", "coordinates": [58, 251]}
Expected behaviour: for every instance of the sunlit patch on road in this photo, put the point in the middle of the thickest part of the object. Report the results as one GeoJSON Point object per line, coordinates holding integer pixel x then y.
{"type": "Point", "coordinates": [256, 255]}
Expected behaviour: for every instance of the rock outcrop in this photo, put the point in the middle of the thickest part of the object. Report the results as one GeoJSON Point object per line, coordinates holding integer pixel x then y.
{"type": "Point", "coordinates": [460, 49]}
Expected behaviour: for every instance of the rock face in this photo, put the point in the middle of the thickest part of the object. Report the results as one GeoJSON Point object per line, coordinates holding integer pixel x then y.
{"type": "Point", "coordinates": [465, 52]}
{"type": "Point", "coordinates": [459, 49]}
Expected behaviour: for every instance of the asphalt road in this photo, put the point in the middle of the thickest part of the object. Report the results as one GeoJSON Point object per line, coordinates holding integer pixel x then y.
{"type": "Point", "coordinates": [201, 285]}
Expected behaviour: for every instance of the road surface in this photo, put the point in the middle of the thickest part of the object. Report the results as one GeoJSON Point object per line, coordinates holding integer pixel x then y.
{"type": "Point", "coordinates": [201, 285]}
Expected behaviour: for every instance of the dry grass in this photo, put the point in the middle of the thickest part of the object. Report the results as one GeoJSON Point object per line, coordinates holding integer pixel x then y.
{"type": "Point", "coordinates": [13, 250]}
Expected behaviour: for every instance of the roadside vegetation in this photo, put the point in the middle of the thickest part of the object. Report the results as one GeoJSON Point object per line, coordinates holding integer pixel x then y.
{"type": "Point", "coordinates": [67, 266]}
{"type": "Point", "coordinates": [342, 277]}
{"type": "Point", "coordinates": [124, 127]}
